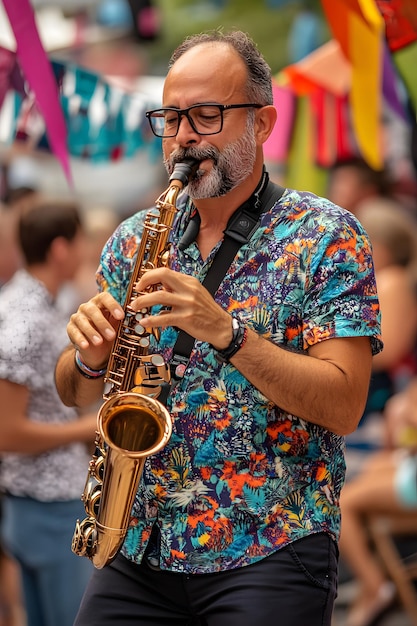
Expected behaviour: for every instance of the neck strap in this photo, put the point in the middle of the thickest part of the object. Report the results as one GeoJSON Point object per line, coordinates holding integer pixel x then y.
{"type": "Point", "coordinates": [241, 226]}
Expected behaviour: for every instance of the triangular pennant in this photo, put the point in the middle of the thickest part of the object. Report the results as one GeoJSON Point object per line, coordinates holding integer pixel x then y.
{"type": "Point", "coordinates": [38, 73]}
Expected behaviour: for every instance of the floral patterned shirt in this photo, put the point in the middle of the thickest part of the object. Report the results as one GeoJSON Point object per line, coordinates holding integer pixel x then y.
{"type": "Point", "coordinates": [240, 477]}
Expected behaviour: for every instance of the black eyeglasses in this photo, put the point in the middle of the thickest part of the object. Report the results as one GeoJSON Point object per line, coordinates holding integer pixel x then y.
{"type": "Point", "coordinates": [205, 119]}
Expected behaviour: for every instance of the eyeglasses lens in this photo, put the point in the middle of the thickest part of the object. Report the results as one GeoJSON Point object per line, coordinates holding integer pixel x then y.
{"type": "Point", "coordinates": [205, 120]}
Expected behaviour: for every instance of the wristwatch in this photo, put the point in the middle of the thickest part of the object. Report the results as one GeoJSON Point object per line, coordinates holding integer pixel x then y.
{"type": "Point", "coordinates": [240, 333]}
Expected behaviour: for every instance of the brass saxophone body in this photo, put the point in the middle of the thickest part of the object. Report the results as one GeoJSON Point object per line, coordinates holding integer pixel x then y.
{"type": "Point", "coordinates": [132, 423]}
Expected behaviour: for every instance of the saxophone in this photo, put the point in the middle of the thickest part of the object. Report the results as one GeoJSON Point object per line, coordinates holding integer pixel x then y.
{"type": "Point", "coordinates": [132, 423]}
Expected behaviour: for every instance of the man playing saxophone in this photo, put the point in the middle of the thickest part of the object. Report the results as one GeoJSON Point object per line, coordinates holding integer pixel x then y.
{"type": "Point", "coordinates": [236, 520]}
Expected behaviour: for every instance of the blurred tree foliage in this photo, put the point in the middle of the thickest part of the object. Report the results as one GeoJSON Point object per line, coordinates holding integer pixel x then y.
{"type": "Point", "coordinates": [268, 22]}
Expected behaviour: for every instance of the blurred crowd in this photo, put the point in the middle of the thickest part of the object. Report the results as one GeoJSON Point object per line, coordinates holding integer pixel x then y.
{"type": "Point", "coordinates": [381, 455]}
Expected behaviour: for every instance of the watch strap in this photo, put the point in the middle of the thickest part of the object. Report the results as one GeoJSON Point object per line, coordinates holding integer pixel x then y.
{"type": "Point", "coordinates": [240, 333]}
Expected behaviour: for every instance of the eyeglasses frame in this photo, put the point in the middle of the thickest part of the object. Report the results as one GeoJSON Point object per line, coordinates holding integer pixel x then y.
{"type": "Point", "coordinates": [182, 112]}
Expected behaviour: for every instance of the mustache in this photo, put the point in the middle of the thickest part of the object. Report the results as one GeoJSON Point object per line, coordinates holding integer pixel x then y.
{"type": "Point", "coordinates": [200, 154]}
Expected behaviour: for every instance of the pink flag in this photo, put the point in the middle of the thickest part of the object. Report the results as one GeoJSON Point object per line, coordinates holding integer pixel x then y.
{"type": "Point", "coordinates": [39, 75]}
{"type": "Point", "coordinates": [276, 148]}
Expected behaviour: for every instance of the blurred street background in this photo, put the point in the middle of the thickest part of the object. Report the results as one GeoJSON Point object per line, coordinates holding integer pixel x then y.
{"type": "Point", "coordinates": [113, 56]}
{"type": "Point", "coordinates": [128, 44]}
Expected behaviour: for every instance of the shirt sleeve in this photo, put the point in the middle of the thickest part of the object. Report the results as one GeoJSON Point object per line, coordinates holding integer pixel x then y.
{"type": "Point", "coordinates": [341, 298]}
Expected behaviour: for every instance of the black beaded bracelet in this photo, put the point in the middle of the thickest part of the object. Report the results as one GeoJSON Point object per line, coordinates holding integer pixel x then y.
{"type": "Point", "coordinates": [240, 333]}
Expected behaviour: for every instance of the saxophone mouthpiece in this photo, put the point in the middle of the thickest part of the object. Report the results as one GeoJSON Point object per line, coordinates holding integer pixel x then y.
{"type": "Point", "coordinates": [184, 170]}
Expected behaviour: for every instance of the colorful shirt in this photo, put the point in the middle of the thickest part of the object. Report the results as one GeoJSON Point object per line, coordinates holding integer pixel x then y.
{"type": "Point", "coordinates": [240, 477]}
{"type": "Point", "coordinates": [32, 335]}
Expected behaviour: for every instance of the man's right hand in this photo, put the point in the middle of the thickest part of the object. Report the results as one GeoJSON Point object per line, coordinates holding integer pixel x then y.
{"type": "Point", "coordinates": [92, 328]}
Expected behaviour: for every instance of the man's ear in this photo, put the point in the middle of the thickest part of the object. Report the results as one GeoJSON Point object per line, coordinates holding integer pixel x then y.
{"type": "Point", "coordinates": [265, 122]}
{"type": "Point", "coordinates": [58, 250]}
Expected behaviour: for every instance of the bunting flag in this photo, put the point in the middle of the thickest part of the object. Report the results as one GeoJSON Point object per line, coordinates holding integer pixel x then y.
{"type": "Point", "coordinates": [406, 63]}
{"type": "Point", "coordinates": [104, 123]}
{"type": "Point", "coordinates": [390, 87]}
{"type": "Point", "coordinates": [334, 140]}
{"type": "Point", "coordinates": [10, 75]}
{"type": "Point", "coordinates": [360, 30]}
{"type": "Point", "coordinates": [38, 73]}
{"type": "Point", "coordinates": [321, 129]}
{"type": "Point", "coordinates": [341, 89]}
{"type": "Point", "coordinates": [277, 146]}
{"type": "Point", "coordinates": [325, 68]}
{"type": "Point", "coordinates": [400, 18]}
{"type": "Point", "coordinates": [329, 104]}
{"type": "Point", "coordinates": [302, 170]}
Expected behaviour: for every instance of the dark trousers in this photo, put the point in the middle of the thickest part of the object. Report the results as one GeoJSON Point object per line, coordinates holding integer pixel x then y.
{"type": "Point", "coordinates": [292, 587]}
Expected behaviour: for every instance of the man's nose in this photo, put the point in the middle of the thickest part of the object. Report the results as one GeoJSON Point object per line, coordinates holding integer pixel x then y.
{"type": "Point", "coordinates": [186, 132]}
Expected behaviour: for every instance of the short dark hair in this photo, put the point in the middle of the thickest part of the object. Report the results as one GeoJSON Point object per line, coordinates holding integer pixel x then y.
{"type": "Point", "coordinates": [43, 222]}
{"type": "Point", "coordinates": [379, 179]}
{"type": "Point", "coordinates": [259, 86]}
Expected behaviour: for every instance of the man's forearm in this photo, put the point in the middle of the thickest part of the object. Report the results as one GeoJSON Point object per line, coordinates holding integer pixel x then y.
{"type": "Point", "coordinates": [328, 387]}
{"type": "Point", "coordinates": [73, 388]}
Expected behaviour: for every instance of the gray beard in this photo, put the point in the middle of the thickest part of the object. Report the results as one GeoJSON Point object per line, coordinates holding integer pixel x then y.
{"type": "Point", "coordinates": [230, 167]}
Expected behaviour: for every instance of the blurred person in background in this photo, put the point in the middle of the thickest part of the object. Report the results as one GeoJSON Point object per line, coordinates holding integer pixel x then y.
{"type": "Point", "coordinates": [98, 225]}
{"type": "Point", "coordinates": [11, 611]}
{"type": "Point", "coordinates": [43, 444]}
{"type": "Point", "coordinates": [10, 255]}
{"type": "Point", "coordinates": [353, 181]}
{"type": "Point", "coordinates": [19, 188]}
{"type": "Point", "coordinates": [393, 234]}
{"type": "Point", "coordinates": [387, 484]}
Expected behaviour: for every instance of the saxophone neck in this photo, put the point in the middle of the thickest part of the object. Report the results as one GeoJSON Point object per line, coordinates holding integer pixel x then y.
{"type": "Point", "coordinates": [179, 179]}
{"type": "Point", "coordinates": [169, 197]}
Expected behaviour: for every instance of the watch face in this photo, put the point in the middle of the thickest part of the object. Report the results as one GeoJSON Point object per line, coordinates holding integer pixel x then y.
{"type": "Point", "coordinates": [235, 323]}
